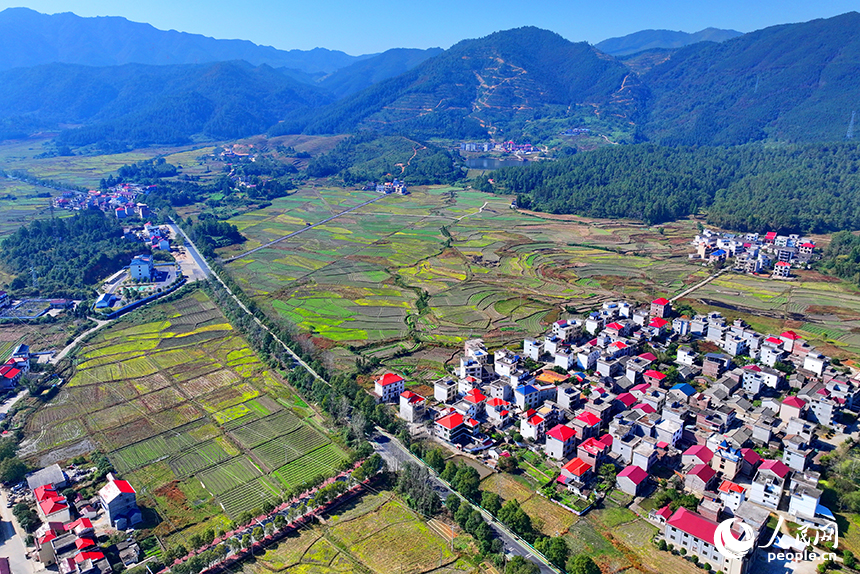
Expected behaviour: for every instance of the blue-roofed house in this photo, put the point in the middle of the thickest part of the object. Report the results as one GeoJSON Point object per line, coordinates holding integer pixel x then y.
{"type": "Point", "coordinates": [682, 392]}
{"type": "Point", "coordinates": [527, 397]}
{"type": "Point", "coordinates": [105, 301]}
{"type": "Point", "coordinates": [141, 268]}
{"type": "Point", "coordinates": [718, 255]}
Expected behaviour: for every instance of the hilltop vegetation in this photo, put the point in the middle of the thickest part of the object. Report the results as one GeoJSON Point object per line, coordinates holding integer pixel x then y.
{"type": "Point", "coordinates": [370, 157]}
{"type": "Point", "coordinates": [68, 256]}
{"type": "Point", "coordinates": [809, 188]}
{"type": "Point", "coordinates": [495, 84]}
{"type": "Point", "coordinates": [795, 82]}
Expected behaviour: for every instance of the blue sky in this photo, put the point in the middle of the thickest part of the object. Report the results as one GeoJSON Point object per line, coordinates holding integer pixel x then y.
{"type": "Point", "coordinates": [365, 26]}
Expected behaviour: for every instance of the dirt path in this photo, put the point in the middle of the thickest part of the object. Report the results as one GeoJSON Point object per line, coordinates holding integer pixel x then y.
{"type": "Point", "coordinates": [697, 285]}
{"type": "Point", "coordinates": [59, 356]}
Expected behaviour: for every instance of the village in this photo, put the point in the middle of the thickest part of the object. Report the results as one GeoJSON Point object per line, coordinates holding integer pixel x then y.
{"type": "Point", "coordinates": [734, 417]}
{"type": "Point", "coordinates": [755, 253]}
{"type": "Point", "coordinates": [120, 200]}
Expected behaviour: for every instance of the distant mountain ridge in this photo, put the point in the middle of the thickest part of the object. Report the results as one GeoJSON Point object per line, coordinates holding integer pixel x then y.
{"type": "Point", "coordinates": [29, 38]}
{"type": "Point", "coordinates": [661, 39]}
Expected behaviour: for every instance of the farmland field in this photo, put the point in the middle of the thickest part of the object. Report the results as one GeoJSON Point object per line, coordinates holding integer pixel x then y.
{"type": "Point", "coordinates": [375, 533]}
{"type": "Point", "coordinates": [200, 428]}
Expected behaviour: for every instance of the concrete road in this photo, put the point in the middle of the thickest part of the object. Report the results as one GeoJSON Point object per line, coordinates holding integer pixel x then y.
{"type": "Point", "coordinates": [395, 455]}
{"type": "Point", "coordinates": [12, 544]}
{"type": "Point", "coordinates": [191, 249]}
{"type": "Point", "coordinates": [58, 357]}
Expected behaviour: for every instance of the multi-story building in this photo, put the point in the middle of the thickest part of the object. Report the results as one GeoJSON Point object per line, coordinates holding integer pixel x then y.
{"type": "Point", "coordinates": [560, 442]}
{"type": "Point", "coordinates": [388, 387]}
{"type": "Point", "coordinates": [695, 533]}
{"type": "Point", "coordinates": [119, 500]}
{"type": "Point", "coordinates": [769, 483]}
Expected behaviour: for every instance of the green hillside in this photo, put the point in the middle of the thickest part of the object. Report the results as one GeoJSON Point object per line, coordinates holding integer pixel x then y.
{"type": "Point", "coordinates": [522, 82]}
{"type": "Point", "coordinates": [796, 82]}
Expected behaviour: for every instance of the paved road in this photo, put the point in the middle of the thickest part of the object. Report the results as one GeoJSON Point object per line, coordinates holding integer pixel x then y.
{"type": "Point", "coordinates": [395, 455]}
{"type": "Point", "coordinates": [192, 250]}
{"type": "Point", "coordinates": [302, 230]}
{"type": "Point", "coordinates": [11, 543]}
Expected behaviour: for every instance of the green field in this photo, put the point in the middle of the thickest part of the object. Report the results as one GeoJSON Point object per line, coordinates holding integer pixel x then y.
{"type": "Point", "coordinates": [185, 410]}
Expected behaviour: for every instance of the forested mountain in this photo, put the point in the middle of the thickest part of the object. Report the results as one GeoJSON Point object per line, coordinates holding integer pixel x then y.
{"type": "Point", "coordinates": [28, 38]}
{"type": "Point", "coordinates": [796, 82]}
{"type": "Point", "coordinates": [136, 104]}
{"type": "Point", "coordinates": [360, 75]}
{"type": "Point", "coordinates": [661, 39]}
{"type": "Point", "coordinates": [811, 188]}
{"type": "Point", "coordinates": [500, 84]}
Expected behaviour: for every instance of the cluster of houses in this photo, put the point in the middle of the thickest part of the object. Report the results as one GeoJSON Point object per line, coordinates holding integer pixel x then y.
{"type": "Point", "coordinates": [67, 537]}
{"type": "Point", "coordinates": [153, 236]}
{"type": "Point", "coordinates": [15, 367]}
{"type": "Point", "coordinates": [503, 147]}
{"type": "Point", "coordinates": [754, 253]}
{"type": "Point", "coordinates": [388, 187]}
{"type": "Point", "coordinates": [602, 396]}
{"type": "Point", "coordinates": [120, 200]}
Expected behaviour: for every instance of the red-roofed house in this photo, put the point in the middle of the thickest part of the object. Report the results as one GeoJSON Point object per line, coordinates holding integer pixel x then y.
{"type": "Point", "coordinates": [695, 533]}
{"type": "Point", "coordinates": [696, 454]}
{"type": "Point", "coordinates": [412, 406]}
{"type": "Point", "coordinates": [807, 248]}
{"type": "Point", "coordinates": [9, 376]}
{"type": "Point", "coordinates": [750, 460]}
{"type": "Point", "coordinates": [732, 494]}
{"type": "Point", "coordinates": [54, 510]}
{"type": "Point", "coordinates": [661, 308]}
{"type": "Point", "coordinates": [452, 427]}
{"type": "Point", "coordinates": [593, 451]}
{"type": "Point", "coordinates": [790, 340]}
{"type": "Point", "coordinates": [477, 398]}
{"type": "Point", "coordinates": [700, 478]}
{"type": "Point", "coordinates": [499, 411]}
{"type": "Point", "coordinates": [560, 442]}
{"type": "Point", "coordinates": [658, 326]}
{"type": "Point", "coordinates": [533, 427]}
{"type": "Point", "coordinates": [389, 386]}
{"type": "Point", "coordinates": [782, 269]}
{"type": "Point", "coordinates": [769, 483]}
{"type": "Point", "coordinates": [653, 378]}
{"type": "Point", "coordinates": [576, 474]}
{"type": "Point", "coordinates": [625, 401]}
{"type": "Point", "coordinates": [587, 425]}
{"type": "Point", "coordinates": [660, 516]}
{"type": "Point", "coordinates": [631, 480]}
{"type": "Point", "coordinates": [119, 500]}
{"type": "Point", "coordinates": [770, 237]}
{"type": "Point", "coordinates": [645, 408]}
{"type": "Point", "coordinates": [792, 407]}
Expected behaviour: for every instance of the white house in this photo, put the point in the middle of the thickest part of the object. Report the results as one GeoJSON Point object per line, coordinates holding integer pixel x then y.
{"type": "Point", "coordinates": [412, 406]}
{"type": "Point", "coordinates": [119, 500]}
{"type": "Point", "coordinates": [389, 386]}
{"type": "Point", "coordinates": [560, 442]}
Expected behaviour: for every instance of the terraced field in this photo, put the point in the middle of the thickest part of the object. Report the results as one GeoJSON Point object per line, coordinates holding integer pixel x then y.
{"type": "Point", "coordinates": [487, 270]}
{"type": "Point", "coordinates": [182, 405]}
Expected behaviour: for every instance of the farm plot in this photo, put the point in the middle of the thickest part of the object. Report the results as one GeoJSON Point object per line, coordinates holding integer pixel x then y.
{"type": "Point", "coordinates": [263, 430]}
{"type": "Point", "coordinates": [197, 458]}
{"type": "Point", "coordinates": [321, 462]}
{"type": "Point", "coordinates": [150, 450]}
{"type": "Point", "coordinates": [235, 472]}
{"type": "Point", "coordinates": [251, 495]}
{"type": "Point", "coordinates": [288, 448]}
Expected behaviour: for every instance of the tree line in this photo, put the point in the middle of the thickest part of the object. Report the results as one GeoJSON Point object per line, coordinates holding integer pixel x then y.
{"type": "Point", "coordinates": [813, 188]}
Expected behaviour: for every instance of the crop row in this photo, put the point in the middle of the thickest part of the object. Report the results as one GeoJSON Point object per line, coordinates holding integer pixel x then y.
{"type": "Point", "coordinates": [286, 449]}
{"type": "Point", "coordinates": [323, 461]}
{"type": "Point", "coordinates": [197, 458]}
{"type": "Point", "coordinates": [266, 429]}
{"type": "Point", "coordinates": [233, 473]}
{"type": "Point", "coordinates": [249, 496]}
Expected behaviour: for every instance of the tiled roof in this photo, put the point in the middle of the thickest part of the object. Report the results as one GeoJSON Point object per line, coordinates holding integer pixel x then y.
{"type": "Point", "coordinates": [634, 473]}
{"type": "Point", "coordinates": [796, 402]}
{"type": "Point", "coordinates": [389, 379]}
{"type": "Point", "coordinates": [645, 408]}
{"type": "Point", "coordinates": [451, 421]}
{"type": "Point", "coordinates": [475, 396]}
{"type": "Point", "coordinates": [627, 399]}
{"type": "Point", "coordinates": [648, 356]}
{"type": "Point", "coordinates": [693, 524]}
{"type": "Point", "coordinates": [660, 301]}
{"type": "Point", "coordinates": [577, 467]}
{"type": "Point", "coordinates": [729, 486]}
{"type": "Point", "coordinates": [658, 323]}
{"type": "Point", "coordinates": [775, 466]}
{"type": "Point", "coordinates": [790, 335]}
{"type": "Point", "coordinates": [561, 432]}
{"type": "Point", "coordinates": [750, 456]}
{"type": "Point", "coordinates": [654, 374]}
{"type": "Point", "coordinates": [700, 451]}
{"type": "Point", "coordinates": [589, 418]}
